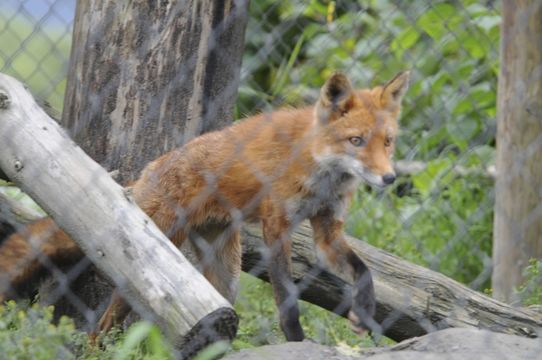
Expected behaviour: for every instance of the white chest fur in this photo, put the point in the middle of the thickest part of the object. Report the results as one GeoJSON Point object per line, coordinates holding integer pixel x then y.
{"type": "Point", "coordinates": [327, 186]}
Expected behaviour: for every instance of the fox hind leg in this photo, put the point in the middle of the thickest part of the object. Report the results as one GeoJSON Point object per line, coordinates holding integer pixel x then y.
{"type": "Point", "coordinates": [116, 312]}
{"type": "Point", "coordinates": [218, 248]}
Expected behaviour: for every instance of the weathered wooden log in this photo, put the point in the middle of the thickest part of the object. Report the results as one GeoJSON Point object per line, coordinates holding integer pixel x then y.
{"type": "Point", "coordinates": [113, 232]}
{"type": "Point", "coordinates": [411, 300]}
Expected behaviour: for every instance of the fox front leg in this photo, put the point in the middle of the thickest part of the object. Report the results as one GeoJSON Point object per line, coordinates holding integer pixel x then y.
{"type": "Point", "coordinates": [277, 239]}
{"type": "Point", "coordinates": [330, 242]}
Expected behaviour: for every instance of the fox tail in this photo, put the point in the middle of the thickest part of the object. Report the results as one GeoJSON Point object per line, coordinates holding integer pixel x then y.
{"type": "Point", "coordinates": [28, 255]}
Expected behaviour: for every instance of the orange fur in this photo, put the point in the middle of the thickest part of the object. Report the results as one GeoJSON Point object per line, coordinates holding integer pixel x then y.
{"type": "Point", "coordinates": [22, 254]}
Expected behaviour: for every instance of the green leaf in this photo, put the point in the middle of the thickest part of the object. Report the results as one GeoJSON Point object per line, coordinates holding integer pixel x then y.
{"type": "Point", "coordinates": [434, 21]}
{"type": "Point", "coordinates": [426, 180]}
{"type": "Point", "coordinates": [463, 130]}
{"type": "Point", "coordinates": [476, 48]}
{"type": "Point", "coordinates": [213, 351]}
{"type": "Point", "coordinates": [404, 41]}
{"type": "Point", "coordinates": [136, 334]}
{"type": "Point", "coordinates": [285, 71]}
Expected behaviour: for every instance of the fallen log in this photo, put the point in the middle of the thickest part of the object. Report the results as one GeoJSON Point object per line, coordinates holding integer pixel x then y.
{"type": "Point", "coordinates": [411, 300]}
{"type": "Point", "coordinates": [114, 233]}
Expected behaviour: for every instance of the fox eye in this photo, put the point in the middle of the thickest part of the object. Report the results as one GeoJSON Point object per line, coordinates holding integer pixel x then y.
{"type": "Point", "coordinates": [357, 141]}
{"type": "Point", "coordinates": [387, 141]}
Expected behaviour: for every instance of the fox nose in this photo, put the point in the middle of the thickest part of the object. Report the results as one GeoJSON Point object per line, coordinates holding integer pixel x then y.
{"type": "Point", "coordinates": [388, 178]}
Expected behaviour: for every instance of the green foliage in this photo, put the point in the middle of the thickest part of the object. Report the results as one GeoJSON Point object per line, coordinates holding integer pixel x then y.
{"type": "Point", "coordinates": [28, 332]}
{"type": "Point", "coordinates": [531, 291]}
{"type": "Point", "coordinates": [213, 351]}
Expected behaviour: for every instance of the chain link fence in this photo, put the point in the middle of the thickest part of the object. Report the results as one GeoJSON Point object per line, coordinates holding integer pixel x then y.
{"type": "Point", "coordinates": [438, 213]}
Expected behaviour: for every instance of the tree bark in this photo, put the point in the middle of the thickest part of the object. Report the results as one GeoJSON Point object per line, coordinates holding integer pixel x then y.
{"type": "Point", "coordinates": [146, 77]}
{"type": "Point", "coordinates": [114, 233]}
{"type": "Point", "coordinates": [411, 300]}
{"type": "Point", "coordinates": [518, 196]}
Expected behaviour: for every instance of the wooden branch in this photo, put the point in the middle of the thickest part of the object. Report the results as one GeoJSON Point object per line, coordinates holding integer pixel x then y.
{"type": "Point", "coordinates": [409, 168]}
{"type": "Point", "coordinates": [113, 232]}
{"type": "Point", "coordinates": [412, 300]}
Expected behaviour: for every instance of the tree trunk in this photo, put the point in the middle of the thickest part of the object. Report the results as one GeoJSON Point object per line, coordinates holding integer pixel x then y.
{"type": "Point", "coordinates": [518, 209]}
{"type": "Point", "coordinates": [146, 77]}
{"type": "Point", "coordinates": [103, 220]}
{"type": "Point", "coordinates": [411, 300]}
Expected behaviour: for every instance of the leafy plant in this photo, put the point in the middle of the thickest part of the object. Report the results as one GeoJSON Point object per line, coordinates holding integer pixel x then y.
{"type": "Point", "coordinates": [28, 332]}
{"type": "Point", "coordinates": [531, 291]}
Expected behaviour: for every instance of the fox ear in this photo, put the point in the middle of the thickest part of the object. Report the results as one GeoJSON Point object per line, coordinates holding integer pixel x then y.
{"type": "Point", "coordinates": [394, 90]}
{"type": "Point", "coordinates": [336, 98]}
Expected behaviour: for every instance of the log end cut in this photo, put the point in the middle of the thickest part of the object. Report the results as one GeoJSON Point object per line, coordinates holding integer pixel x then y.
{"type": "Point", "coordinates": [219, 325]}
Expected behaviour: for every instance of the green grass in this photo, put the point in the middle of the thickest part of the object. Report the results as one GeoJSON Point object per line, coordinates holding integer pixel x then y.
{"type": "Point", "coordinates": [259, 320]}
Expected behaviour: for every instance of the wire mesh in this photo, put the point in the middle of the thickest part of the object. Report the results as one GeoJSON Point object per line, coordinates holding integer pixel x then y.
{"type": "Point", "coordinates": [438, 213]}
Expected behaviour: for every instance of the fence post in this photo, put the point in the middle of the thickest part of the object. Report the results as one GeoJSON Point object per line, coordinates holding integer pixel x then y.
{"type": "Point", "coordinates": [518, 210]}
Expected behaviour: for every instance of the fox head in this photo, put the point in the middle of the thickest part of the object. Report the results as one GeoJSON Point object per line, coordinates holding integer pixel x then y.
{"type": "Point", "coordinates": [357, 128]}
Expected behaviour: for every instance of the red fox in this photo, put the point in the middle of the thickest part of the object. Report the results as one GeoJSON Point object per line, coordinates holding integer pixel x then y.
{"type": "Point", "coordinates": [277, 168]}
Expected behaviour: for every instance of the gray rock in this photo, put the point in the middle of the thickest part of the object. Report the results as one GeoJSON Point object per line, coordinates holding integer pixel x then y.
{"type": "Point", "coordinates": [293, 350]}
{"type": "Point", "coordinates": [449, 344]}
{"type": "Point", "coordinates": [465, 344]}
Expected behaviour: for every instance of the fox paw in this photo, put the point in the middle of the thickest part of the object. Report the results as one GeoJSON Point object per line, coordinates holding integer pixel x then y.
{"type": "Point", "coordinates": [355, 324]}
{"type": "Point", "coordinates": [362, 312]}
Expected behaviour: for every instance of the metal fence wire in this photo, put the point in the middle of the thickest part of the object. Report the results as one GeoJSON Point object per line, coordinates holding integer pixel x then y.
{"type": "Point", "coordinates": [438, 213]}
